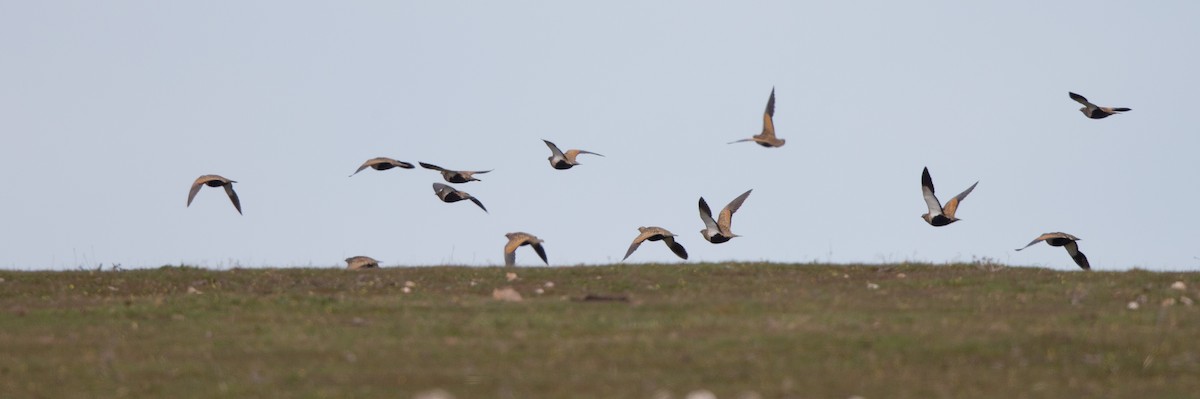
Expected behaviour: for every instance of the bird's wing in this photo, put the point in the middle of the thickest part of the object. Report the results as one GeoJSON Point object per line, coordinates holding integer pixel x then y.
{"type": "Point", "coordinates": [636, 243]}
{"type": "Point", "coordinates": [931, 201]}
{"type": "Point", "coordinates": [430, 166]}
{"type": "Point", "coordinates": [364, 166]}
{"type": "Point", "coordinates": [554, 149]}
{"type": "Point", "coordinates": [476, 201]}
{"type": "Point", "coordinates": [195, 189]}
{"type": "Point", "coordinates": [233, 197]}
{"type": "Point", "coordinates": [726, 217]}
{"type": "Point", "coordinates": [541, 252]}
{"type": "Point", "coordinates": [571, 154]}
{"type": "Point", "coordinates": [952, 205]}
{"type": "Point", "coordinates": [510, 249]}
{"type": "Point", "coordinates": [676, 247]}
{"type": "Point", "coordinates": [739, 141]}
{"type": "Point", "coordinates": [480, 172]}
{"type": "Point", "coordinates": [1081, 99]}
{"type": "Point", "coordinates": [706, 215]}
{"type": "Point", "coordinates": [402, 164]}
{"type": "Point", "coordinates": [768, 116]}
{"type": "Point", "coordinates": [1040, 238]}
{"type": "Point", "coordinates": [1080, 259]}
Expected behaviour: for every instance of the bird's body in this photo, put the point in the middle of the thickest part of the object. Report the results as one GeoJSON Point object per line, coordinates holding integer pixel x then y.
{"type": "Point", "coordinates": [455, 176]}
{"type": "Point", "coordinates": [767, 137]}
{"type": "Point", "coordinates": [1059, 239]}
{"type": "Point", "coordinates": [361, 262]}
{"type": "Point", "coordinates": [718, 231]}
{"type": "Point", "coordinates": [1095, 111]}
{"type": "Point", "coordinates": [656, 234]}
{"type": "Point", "coordinates": [215, 181]}
{"type": "Point", "coordinates": [939, 215]}
{"type": "Point", "coordinates": [450, 194]}
{"type": "Point", "coordinates": [518, 239]}
{"type": "Point", "coordinates": [560, 160]}
{"type": "Point", "coordinates": [382, 163]}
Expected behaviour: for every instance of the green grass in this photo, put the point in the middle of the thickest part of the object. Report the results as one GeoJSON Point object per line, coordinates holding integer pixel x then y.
{"type": "Point", "coordinates": [782, 331]}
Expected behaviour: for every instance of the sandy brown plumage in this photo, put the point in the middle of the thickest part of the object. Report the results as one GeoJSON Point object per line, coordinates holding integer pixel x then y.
{"type": "Point", "coordinates": [1068, 242]}
{"type": "Point", "coordinates": [454, 176]}
{"type": "Point", "coordinates": [561, 160]}
{"type": "Point", "coordinates": [719, 231]}
{"type": "Point", "coordinates": [518, 239]}
{"type": "Point", "coordinates": [656, 234]}
{"type": "Point", "coordinates": [215, 181]}
{"type": "Point", "coordinates": [1095, 111]}
{"type": "Point", "coordinates": [382, 163]}
{"type": "Point", "coordinates": [767, 137]}
{"type": "Point", "coordinates": [361, 262]}
{"type": "Point", "coordinates": [939, 215]}
{"type": "Point", "coordinates": [450, 194]}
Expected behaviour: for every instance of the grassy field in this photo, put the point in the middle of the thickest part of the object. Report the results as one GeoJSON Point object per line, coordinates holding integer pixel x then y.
{"type": "Point", "coordinates": [738, 330]}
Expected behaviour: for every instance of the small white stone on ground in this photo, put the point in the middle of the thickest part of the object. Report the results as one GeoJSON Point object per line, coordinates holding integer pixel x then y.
{"type": "Point", "coordinates": [1133, 305]}
{"type": "Point", "coordinates": [1179, 285]}
{"type": "Point", "coordinates": [872, 286]}
{"type": "Point", "coordinates": [701, 394]}
{"type": "Point", "coordinates": [410, 284]}
{"type": "Point", "coordinates": [506, 294]}
{"type": "Point", "coordinates": [510, 276]}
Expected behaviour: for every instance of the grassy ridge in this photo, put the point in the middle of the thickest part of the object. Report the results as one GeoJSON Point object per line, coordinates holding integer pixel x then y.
{"type": "Point", "coordinates": [799, 331]}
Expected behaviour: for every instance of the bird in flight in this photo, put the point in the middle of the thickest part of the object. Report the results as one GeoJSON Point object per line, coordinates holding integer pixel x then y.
{"type": "Point", "coordinates": [215, 181]}
{"type": "Point", "coordinates": [767, 137]}
{"type": "Point", "coordinates": [718, 231]}
{"type": "Point", "coordinates": [1095, 111]}
{"type": "Point", "coordinates": [450, 194]}
{"type": "Point", "coordinates": [939, 215]}
{"type": "Point", "coordinates": [361, 262]}
{"type": "Point", "coordinates": [1058, 239]}
{"type": "Point", "coordinates": [518, 239]}
{"type": "Point", "coordinates": [560, 160]}
{"type": "Point", "coordinates": [382, 163]}
{"type": "Point", "coordinates": [656, 234]}
{"type": "Point", "coordinates": [455, 176]}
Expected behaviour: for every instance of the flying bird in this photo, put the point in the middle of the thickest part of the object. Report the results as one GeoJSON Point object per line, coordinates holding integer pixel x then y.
{"type": "Point", "coordinates": [215, 181]}
{"type": "Point", "coordinates": [518, 239]}
{"type": "Point", "coordinates": [559, 160]}
{"type": "Point", "coordinates": [939, 215]}
{"type": "Point", "coordinates": [449, 194]}
{"type": "Point", "coordinates": [767, 137]}
{"type": "Point", "coordinates": [455, 176]}
{"type": "Point", "coordinates": [1067, 241]}
{"type": "Point", "coordinates": [717, 231]}
{"type": "Point", "coordinates": [656, 234]}
{"type": "Point", "coordinates": [1095, 111]}
{"type": "Point", "coordinates": [382, 163]}
{"type": "Point", "coordinates": [361, 262]}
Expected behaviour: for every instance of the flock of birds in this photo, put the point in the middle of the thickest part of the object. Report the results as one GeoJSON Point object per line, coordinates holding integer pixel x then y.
{"type": "Point", "coordinates": [715, 231]}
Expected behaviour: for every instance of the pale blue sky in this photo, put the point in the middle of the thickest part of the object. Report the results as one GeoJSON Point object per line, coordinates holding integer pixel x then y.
{"type": "Point", "coordinates": [109, 110]}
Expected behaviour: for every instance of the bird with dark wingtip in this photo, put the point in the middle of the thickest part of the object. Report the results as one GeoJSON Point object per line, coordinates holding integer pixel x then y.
{"type": "Point", "coordinates": [560, 160]}
{"type": "Point", "coordinates": [455, 176]}
{"type": "Point", "coordinates": [518, 239]}
{"type": "Point", "coordinates": [653, 233]}
{"type": "Point", "coordinates": [1095, 111]}
{"type": "Point", "coordinates": [215, 181]}
{"type": "Point", "coordinates": [382, 163]}
{"type": "Point", "coordinates": [939, 215]}
{"type": "Point", "coordinates": [361, 262]}
{"type": "Point", "coordinates": [1068, 242]}
{"type": "Point", "coordinates": [450, 194]}
{"type": "Point", "coordinates": [718, 231]}
{"type": "Point", "coordinates": [767, 137]}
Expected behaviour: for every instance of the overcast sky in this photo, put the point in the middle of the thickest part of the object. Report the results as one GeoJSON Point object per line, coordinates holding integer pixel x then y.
{"type": "Point", "coordinates": [109, 111]}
